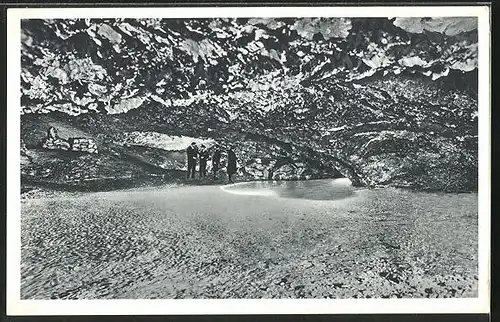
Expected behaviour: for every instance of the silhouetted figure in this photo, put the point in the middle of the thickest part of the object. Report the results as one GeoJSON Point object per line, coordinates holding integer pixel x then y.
{"type": "Point", "coordinates": [192, 153]}
{"type": "Point", "coordinates": [231, 164]}
{"type": "Point", "coordinates": [203, 155]}
{"type": "Point", "coordinates": [53, 141]}
{"type": "Point", "coordinates": [216, 160]}
{"type": "Point", "coordinates": [52, 133]}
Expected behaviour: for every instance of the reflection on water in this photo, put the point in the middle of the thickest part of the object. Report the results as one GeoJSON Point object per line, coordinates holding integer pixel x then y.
{"type": "Point", "coordinates": [324, 189]}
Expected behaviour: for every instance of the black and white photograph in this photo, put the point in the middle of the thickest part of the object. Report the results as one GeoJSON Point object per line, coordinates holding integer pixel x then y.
{"type": "Point", "coordinates": [250, 157]}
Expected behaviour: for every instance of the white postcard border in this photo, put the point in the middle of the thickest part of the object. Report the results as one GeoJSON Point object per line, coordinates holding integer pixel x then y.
{"type": "Point", "coordinates": [16, 306]}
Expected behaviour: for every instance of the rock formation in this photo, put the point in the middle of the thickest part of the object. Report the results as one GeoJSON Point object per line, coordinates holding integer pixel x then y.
{"type": "Point", "coordinates": [83, 145]}
{"type": "Point", "coordinates": [54, 142]}
{"type": "Point", "coordinates": [25, 158]}
{"type": "Point", "coordinates": [380, 101]}
{"type": "Point", "coordinates": [23, 147]}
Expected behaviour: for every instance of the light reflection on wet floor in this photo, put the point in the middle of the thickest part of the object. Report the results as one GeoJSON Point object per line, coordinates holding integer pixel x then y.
{"type": "Point", "coordinates": [322, 189]}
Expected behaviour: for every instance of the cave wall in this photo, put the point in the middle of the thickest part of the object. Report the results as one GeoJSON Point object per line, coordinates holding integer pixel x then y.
{"type": "Point", "coordinates": [382, 101]}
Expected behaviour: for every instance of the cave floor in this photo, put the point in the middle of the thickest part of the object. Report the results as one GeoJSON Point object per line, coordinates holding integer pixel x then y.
{"type": "Point", "coordinates": [201, 242]}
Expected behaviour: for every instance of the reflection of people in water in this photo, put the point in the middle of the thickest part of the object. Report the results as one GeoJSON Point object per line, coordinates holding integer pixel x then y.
{"type": "Point", "coordinates": [231, 164]}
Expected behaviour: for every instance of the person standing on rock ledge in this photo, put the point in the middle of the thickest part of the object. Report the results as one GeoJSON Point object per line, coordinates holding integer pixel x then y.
{"type": "Point", "coordinates": [216, 160]}
{"type": "Point", "coordinates": [192, 153]}
{"type": "Point", "coordinates": [203, 154]}
{"type": "Point", "coordinates": [53, 141]}
{"type": "Point", "coordinates": [231, 164]}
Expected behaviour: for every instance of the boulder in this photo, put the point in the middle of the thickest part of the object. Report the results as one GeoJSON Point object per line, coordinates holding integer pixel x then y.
{"type": "Point", "coordinates": [83, 145]}
{"type": "Point", "coordinates": [55, 144]}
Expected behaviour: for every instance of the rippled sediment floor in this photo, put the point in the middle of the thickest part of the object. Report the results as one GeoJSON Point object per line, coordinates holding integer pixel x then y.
{"type": "Point", "coordinates": [203, 242]}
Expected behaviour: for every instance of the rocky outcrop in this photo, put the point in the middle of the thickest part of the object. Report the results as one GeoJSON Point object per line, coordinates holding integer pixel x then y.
{"type": "Point", "coordinates": [83, 145]}
{"type": "Point", "coordinates": [53, 142]}
{"type": "Point", "coordinates": [260, 169]}
{"type": "Point", "coordinates": [23, 147]}
{"type": "Point", "coordinates": [381, 101]}
{"type": "Point", "coordinates": [25, 157]}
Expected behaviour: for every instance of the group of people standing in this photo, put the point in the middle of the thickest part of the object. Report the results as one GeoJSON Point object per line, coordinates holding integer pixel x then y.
{"type": "Point", "coordinates": [203, 154]}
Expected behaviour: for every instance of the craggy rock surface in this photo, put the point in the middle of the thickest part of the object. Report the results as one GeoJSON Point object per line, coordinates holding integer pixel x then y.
{"type": "Point", "coordinates": [146, 243]}
{"type": "Point", "coordinates": [382, 102]}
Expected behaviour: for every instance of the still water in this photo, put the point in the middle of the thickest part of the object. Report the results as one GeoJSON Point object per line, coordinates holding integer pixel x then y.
{"type": "Point", "coordinates": [322, 189]}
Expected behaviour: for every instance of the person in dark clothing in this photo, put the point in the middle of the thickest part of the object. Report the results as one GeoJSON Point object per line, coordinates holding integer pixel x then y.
{"type": "Point", "coordinates": [203, 155]}
{"type": "Point", "coordinates": [231, 164]}
{"type": "Point", "coordinates": [52, 133]}
{"type": "Point", "coordinates": [192, 153]}
{"type": "Point", "coordinates": [216, 160]}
